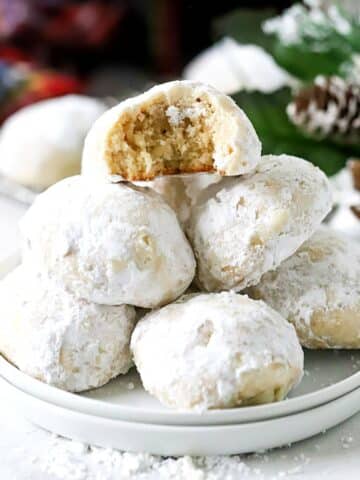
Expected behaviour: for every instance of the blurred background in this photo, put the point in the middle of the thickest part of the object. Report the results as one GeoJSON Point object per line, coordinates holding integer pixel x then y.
{"type": "Point", "coordinates": [117, 41]}
{"type": "Point", "coordinates": [294, 67]}
{"type": "Point", "coordinates": [115, 48]}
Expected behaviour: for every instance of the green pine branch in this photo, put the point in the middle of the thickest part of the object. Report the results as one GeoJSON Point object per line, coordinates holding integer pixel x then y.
{"type": "Point", "coordinates": [319, 49]}
{"type": "Point", "coordinates": [278, 135]}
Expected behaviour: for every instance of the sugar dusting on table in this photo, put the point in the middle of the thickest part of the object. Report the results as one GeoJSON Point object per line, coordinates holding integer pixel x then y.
{"type": "Point", "coordinates": [71, 460]}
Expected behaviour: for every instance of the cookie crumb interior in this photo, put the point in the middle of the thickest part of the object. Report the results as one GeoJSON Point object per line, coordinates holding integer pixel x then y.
{"type": "Point", "coordinates": [163, 138]}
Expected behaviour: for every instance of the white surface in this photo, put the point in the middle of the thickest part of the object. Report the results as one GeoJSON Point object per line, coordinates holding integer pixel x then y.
{"type": "Point", "coordinates": [25, 451]}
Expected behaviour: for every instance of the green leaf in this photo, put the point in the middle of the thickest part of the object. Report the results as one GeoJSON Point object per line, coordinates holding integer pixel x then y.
{"type": "Point", "coordinates": [244, 25]}
{"type": "Point", "coordinates": [305, 64]}
{"type": "Point", "coordinates": [320, 48]}
{"type": "Point", "coordinates": [278, 135]}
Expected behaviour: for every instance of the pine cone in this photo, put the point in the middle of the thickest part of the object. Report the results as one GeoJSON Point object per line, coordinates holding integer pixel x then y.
{"type": "Point", "coordinates": [328, 108]}
{"type": "Point", "coordinates": [354, 167]}
{"type": "Point", "coordinates": [356, 210]}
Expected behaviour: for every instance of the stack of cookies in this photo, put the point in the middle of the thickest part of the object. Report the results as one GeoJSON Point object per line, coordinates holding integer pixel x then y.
{"type": "Point", "coordinates": [176, 211]}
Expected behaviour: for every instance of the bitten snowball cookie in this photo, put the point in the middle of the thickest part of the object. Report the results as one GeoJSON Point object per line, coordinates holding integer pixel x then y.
{"type": "Point", "coordinates": [242, 228]}
{"type": "Point", "coordinates": [176, 127]}
{"type": "Point", "coordinates": [108, 243]}
{"type": "Point", "coordinates": [42, 143]}
{"type": "Point", "coordinates": [318, 290]}
{"type": "Point", "coordinates": [58, 339]}
{"type": "Point", "coordinates": [216, 351]}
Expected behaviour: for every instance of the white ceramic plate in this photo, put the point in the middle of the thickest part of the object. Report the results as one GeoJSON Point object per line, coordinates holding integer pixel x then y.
{"type": "Point", "coordinates": [329, 375]}
{"type": "Point", "coordinates": [183, 440]}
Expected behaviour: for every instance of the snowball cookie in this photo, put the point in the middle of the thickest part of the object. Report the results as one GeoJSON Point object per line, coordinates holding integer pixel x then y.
{"type": "Point", "coordinates": [216, 351]}
{"type": "Point", "coordinates": [176, 127]}
{"type": "Point", "coordinates": [182, 191]}
{"type": "Point", "coordinates": [42, 143]}
{"type": "Point", "coordinates": [318, 290]}
{"type": "Point", "coordinates": [58, 339]}
{"type": "Point", "coordinates": [242, 228]}
{"type": "Point", "coordinates": [108, 243]}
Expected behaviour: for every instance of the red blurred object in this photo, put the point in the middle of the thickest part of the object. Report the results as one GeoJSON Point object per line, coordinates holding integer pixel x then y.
{"type": "Point", "coordinates": [41, 85]}
{"type": "Point", "coordinates": [78, 24]}
{"type": "Point", "coordinates": [42, 39]}
{"type": "Point", "coordinates": [46, 84]}
{"type": "Point", "coordinates": [11, 54]}
{"type": "Point", "coordinates": [22, 83]}
{"type": "Point", "coordinates": [90, 24]}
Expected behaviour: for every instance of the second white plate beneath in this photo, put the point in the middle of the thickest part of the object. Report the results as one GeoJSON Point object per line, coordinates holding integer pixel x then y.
{"type": "Point", "coordinates": [175, 440]}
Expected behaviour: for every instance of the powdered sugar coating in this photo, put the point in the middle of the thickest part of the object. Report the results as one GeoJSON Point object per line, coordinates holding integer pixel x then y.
{"type": "Point", "coordinates": [318, 290]}
{"type": "Point", "coordinates": [56, 338]}
{"type": "Point", "coordinates": [42, 143]}
{"type": "Point", "coordinates": [215, 351]}
{"type": "Point", "coordinates": [108, 243]}
{"type": "Point", "coordinates": [242, 228]}
{"type": "Point", "coordinates": [237, 146]}
{"type": "Point", "coordinates": [182, 191]}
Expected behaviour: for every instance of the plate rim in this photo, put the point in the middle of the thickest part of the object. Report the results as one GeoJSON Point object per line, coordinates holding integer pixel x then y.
{"type": "Point", "coordinates": [100, 408]}
{"type": "Point", "coordinates": [179, 440]}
